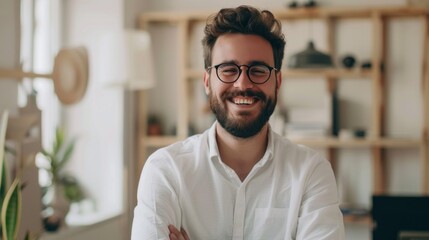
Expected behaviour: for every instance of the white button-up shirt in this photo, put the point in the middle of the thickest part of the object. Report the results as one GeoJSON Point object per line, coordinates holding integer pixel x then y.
{"type": "Point", "coordinates": [289, 194]}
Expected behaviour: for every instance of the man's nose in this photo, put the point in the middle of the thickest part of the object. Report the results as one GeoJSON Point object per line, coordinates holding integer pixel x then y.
{"type": "Point", "coordinates": [243, 82]}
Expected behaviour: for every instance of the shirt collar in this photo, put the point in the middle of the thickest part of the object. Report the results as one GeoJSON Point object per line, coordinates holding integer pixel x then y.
{"type": "Point", "coordinates": [214, 150]}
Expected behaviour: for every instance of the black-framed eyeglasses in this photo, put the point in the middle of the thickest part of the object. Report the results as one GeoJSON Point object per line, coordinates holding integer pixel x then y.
{"type": "Point", "coordinates": [230, 72]}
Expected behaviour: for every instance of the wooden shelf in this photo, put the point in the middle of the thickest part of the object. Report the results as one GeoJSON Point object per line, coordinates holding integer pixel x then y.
{"type": "Point", "coordinates": [357, 143]}
{"type": "Point", "coordinates": [194, 74]}
{"type": "Point", "coordinates": [159, 141]}
{"type": "Point", "coordinates": [358, 219]}
{"type": "Point", "coordinates": [290, 14]}
{"type": "Point", "coordinates": [344, 12]}
{"type": "Point", "coordinates": [336, 73]}
{"type": "Point", "coordinates": [325, 142]}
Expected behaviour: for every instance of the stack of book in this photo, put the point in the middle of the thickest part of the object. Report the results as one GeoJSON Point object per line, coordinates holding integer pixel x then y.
{"type": "Point", "coordinates": [308, 122]}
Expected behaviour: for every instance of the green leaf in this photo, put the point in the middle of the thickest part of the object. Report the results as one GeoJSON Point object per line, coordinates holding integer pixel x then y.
{"type": "Point", "coordinates": [3, 128]}
{"type": "Point", "coordinates": [3, 183]}
{"type": "Point", "coordinates": [72, 189]}
{"type": "Point", "coordinates": [3, 172]}
{"type": "Point", "coordinates": [67, 154]}
{"type": "Point", "coordinates": [59, 156]}
{"type": "Point", "coordinates": [11, 211]}
{"type": "Point", "coordinates": [59, 138]}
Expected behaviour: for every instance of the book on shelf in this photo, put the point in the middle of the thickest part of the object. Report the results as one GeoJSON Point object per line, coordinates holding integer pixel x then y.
{"type": "Point", "coordinates": [305, 130]}
{"type": "Point", "coordinates": [307, 122]}
{"type": "Point", "coordinates": [335, 114]}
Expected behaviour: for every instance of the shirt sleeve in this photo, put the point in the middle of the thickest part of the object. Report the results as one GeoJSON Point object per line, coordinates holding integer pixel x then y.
{"type": "Point", "coordinates": [320, 217]}
{"type": "Point", "coordinates": [157, 200]}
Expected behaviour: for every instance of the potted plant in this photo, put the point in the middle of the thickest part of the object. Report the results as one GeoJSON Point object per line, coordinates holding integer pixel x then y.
{"type": "Point", "coordinates": [63, 188]}
{"type": "Point", "coordinates": [10, 196]}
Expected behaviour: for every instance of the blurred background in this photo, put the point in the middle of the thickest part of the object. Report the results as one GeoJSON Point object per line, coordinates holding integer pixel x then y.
{"type": "Point", "coordinates": [141, 88]}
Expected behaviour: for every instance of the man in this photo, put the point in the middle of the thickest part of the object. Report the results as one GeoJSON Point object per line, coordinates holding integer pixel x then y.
{"type": "Point", "coordinates": [239, 179]}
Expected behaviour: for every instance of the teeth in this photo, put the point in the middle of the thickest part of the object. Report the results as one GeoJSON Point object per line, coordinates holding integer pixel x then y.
{"type": "Point", "coordinates": [243, 101]}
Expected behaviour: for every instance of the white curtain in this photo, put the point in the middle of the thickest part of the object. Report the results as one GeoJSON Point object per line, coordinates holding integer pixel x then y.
{"type": "Point", "coordinates": [40, 41]}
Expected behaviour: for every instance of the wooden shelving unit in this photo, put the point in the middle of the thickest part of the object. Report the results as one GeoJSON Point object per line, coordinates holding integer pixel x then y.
{"type": "Point", "coordinates": [308, 73]}
{"type": "Point", "coordinates": [377, 142]}
{"type": "Point", "coordinates": [361, 220]}
{"type": "Point", "coordinates": [356, 143]}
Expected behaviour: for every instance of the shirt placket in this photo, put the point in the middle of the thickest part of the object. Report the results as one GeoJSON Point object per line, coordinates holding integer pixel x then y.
{"type": "Point", "coordinates": [240, 199]}
{"type": "Point", "coordinates": [239, 213]}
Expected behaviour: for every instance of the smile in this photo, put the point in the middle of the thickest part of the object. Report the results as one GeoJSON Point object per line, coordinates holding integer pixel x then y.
{"type": "Point", "coordinates": [243, 100]}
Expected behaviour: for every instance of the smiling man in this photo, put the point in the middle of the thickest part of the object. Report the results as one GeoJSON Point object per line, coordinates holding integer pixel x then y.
{"type": "Point", "coordinates": [239, 179]}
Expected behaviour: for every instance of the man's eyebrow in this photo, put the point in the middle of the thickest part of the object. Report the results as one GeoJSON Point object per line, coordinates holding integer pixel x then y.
{"type": "Point", "coordinates": [230, 61]}
{"type": "Point", "coordinates": [258, 63]}
{"type": "Point", "coordinates": [255, 62]}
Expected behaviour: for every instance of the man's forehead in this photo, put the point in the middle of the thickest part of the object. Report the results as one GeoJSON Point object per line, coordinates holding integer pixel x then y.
{"type": "Point", "coordinates": [242, 49]}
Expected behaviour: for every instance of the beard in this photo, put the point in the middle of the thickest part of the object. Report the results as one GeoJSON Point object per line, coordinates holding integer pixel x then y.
{"type": "Point", "coordinates": [244, 126]}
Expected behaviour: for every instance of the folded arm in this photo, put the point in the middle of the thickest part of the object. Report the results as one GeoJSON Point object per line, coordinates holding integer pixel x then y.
{"type": "Point", "coordinates": [157, 200]}
{"type": "Point", "coordinates": [320, 216]}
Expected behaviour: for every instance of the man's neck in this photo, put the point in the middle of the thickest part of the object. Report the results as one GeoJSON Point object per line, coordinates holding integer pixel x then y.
{"type": "Point", "coordinates": [241, 154]}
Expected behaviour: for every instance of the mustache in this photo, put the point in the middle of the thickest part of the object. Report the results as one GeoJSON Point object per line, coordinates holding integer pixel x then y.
{"type": "Point", "coordinates": [246, 93]}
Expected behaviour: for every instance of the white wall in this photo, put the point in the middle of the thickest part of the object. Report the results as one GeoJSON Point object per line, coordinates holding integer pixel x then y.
{"type": "Point", "coordinates": [98, 120]}
{"type": "Point", "coordinates": [9, 52]}
{"type": "Point", "coordinates": [104, 120]}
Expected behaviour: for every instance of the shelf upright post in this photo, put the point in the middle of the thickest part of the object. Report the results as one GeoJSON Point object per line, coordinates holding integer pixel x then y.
{"type": "Point", "coordinates": [134, 168]}
{"type": "Point", "coordinates": [378, 57]}
{"type": "Point", "coordinates": [183, 60]}
{"type": "Point", "coordinates": [141, 108]}
{"type": "Point", "coordinates": [425, 104]}
{"type": "Point", "coordinates": [331, 81]}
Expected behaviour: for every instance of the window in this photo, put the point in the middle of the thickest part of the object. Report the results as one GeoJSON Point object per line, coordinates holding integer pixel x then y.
{"type": "Point", "coordinates": [39, 42]}
{"type": "Point", "coordinates": [93, 163]}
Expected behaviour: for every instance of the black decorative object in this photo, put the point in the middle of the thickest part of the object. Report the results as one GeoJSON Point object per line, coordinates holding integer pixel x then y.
{"type": "Point", "coordinates": [348, 61]}
{"type": "Point", "coordinates": [360, 133]}
{"type": "Point", "coordinates": [310, 58]}
{"type": "Point", "coordinates": [366, 65]}
{"type": "Point", "coordinates": [307, 4]}
{"type": "Point", "coordinates": [310, 4]}
{"type": "Point", "coordinates": [293, 4]}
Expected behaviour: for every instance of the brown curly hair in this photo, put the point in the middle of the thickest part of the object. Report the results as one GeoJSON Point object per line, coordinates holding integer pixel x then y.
{"type": "Point", "coordinates": [245, 20]}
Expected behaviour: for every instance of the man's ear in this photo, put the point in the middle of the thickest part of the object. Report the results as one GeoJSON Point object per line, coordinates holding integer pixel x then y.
{"type": "Point", "coordinates": [207, 82]}
{"type": "Point", "coordinates": [279, 80]}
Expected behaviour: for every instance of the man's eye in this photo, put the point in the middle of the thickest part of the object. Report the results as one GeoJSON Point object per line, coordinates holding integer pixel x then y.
{"type": "Point", "coordinates": [229, 70]}
{"type": "Point", "coordinates": [259, 70]}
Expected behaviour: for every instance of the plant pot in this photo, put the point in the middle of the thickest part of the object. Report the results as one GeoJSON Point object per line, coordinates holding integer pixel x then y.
{"type": "Point", "coordinates": [57, 207]}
